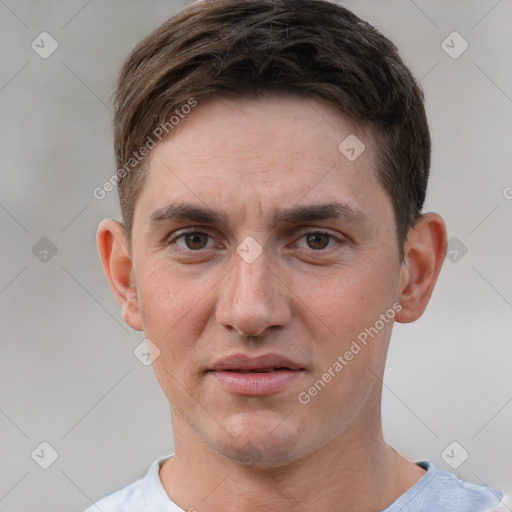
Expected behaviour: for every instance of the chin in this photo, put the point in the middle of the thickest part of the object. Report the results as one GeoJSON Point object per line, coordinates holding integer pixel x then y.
{"type": "Point", "coordinates": [257, 442]}
{"type": "Point", "coordinates": [258, 456]}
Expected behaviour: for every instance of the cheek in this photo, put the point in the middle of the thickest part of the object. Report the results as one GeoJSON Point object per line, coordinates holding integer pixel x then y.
{"type": "Point", "coordinates": [346, 300]}
{"type": "Point", "coordinates": [169, 297]}
{"type": "Point", "coordinates": [343, 314]}
{"type": "Point", "coordinates": [175, 307]}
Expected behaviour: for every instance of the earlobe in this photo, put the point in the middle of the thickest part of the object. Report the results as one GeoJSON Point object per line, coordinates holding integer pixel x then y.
{"type": "Point", "coordinates": [117, 265]}
{"type": "Point", "coordinates": [425, 250]}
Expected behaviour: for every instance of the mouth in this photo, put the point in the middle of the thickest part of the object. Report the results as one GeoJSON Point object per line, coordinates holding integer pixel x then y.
{"type": "Point", "coordinates": [268, 374]}
{"type": "Point", "coordinates": [264, 370]}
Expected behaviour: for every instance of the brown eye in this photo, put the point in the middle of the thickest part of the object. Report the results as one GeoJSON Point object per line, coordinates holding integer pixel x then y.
{"type": "Point", "coordinates": [317, 241]}
{"type": "Point", "coordinates": [196, 241]}
{"type": "Point", "coordinates": [192, 241]}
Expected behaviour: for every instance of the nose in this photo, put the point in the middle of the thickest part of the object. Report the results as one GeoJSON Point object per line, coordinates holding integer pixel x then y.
{"type": "Point", "coordinates": [252, 298]}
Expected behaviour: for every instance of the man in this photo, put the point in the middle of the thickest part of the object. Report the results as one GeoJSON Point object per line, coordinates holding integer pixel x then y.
{"type": "Point", "coordinates": [273, 159]}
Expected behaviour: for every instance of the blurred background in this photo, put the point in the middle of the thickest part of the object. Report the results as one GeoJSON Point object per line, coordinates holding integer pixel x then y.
{"type": "Point", "coordinates": [80, 415]}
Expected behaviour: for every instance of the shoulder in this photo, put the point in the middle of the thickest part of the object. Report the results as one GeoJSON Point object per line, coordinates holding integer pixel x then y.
{"type": "Point", "coordinates": [138, 496]}
{"type": "Point", "coordinates": [128, 499]}
{"type": "Point", "coordinates": [441, 491]}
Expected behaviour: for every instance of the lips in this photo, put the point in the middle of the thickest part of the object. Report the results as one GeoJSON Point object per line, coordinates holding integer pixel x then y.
{"type": "Point", "coordinates": [267, 374]}
{"type": "Point", "coordinates": [264, 363]}
{"type": "Point", "coordinates": [266, 370]}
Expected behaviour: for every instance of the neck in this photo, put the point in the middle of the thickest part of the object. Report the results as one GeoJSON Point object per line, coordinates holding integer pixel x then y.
{"type": "Point", "coordinates": [355, 471]}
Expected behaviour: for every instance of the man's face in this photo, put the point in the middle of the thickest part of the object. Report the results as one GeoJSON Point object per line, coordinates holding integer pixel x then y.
{"type": "Point", "coordinates": [265, 260]}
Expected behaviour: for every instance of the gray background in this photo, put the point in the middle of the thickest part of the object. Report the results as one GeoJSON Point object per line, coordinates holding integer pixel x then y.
{"type": "Point", "coordinates": [68, 375]}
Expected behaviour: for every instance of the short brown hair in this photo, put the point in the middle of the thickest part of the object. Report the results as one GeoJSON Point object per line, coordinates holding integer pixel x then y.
{"type": "Point", "coordinates": [311, 48]}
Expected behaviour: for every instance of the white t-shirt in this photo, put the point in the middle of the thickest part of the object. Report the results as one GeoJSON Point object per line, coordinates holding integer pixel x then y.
{"type": "Point", "coordinates": [435, 491]}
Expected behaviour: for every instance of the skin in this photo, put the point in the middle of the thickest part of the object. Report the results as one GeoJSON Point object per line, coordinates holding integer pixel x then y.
{"type": "Point", "coordinates": [247, 158]}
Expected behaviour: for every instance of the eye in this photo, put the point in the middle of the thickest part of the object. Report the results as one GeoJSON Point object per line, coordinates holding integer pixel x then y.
{"type": "Point", "coordinates": [192, 240]}
{"type": "Point", "coordinates": [317, 240]}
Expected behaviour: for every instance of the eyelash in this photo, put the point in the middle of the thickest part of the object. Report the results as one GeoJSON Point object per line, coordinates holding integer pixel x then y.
{"type": "Point", "coordinates": [183, 234]}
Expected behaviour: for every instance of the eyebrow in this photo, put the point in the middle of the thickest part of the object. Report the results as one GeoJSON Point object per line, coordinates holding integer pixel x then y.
{"type": "Point", "coordinates": [296, 214]}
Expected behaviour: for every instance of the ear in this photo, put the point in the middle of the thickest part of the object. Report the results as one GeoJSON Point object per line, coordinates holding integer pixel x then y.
{"type": "Point", "coordinates": [117, 264]}
{"type": "Point", "coordinates": [425, 250]}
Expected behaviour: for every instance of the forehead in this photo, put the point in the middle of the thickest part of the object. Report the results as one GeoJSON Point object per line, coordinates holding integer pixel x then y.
{"type": "Point", "coordinates": [253, 155]}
